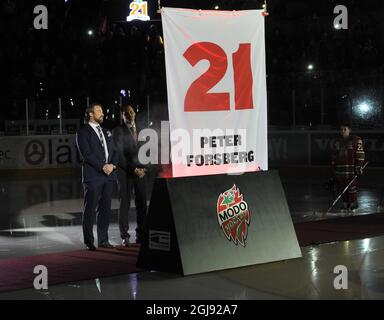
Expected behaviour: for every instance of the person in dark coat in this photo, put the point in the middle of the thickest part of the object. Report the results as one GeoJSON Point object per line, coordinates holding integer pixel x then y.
{"type": "Point", "coordinates": [130, 173]}
{"type": "Point", "coordinates": [99, 156]}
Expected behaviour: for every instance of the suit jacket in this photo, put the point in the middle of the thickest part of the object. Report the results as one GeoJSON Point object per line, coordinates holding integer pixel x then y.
{"type": "Point", "coordinates": [127, 149]}
{"type": "Point", "coordinates": [93, 154]}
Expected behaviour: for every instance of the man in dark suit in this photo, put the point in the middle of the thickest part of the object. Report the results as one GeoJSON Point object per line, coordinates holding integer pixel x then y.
{"type": "Point", "coordinates": [130, 174]}
{"type": "Point", "coordinates": [99, 163]}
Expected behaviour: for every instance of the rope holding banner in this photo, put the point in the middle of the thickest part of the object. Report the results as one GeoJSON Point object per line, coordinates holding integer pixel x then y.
{"type": "Point", "coordinates": [265, 12]}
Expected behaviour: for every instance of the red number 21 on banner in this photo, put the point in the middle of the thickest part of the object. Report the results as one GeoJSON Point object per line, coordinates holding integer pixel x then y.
{"type": "Point", "coordinates": [198, 98]}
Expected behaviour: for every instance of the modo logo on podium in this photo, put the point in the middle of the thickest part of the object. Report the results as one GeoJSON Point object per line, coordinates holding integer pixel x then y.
{"type": "Point", "coordinates": [233, 215]}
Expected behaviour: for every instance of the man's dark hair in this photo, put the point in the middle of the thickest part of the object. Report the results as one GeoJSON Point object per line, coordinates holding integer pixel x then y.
{"type": "Point", "coordinates": [90, 109]}
{"type": "Point", "coordinates": [345, 124]}
{"type": "Point", "coordinates": [124, 107]}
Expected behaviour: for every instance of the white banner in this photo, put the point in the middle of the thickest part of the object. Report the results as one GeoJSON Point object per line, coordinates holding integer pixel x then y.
{"type": "Point", "coordinates": [216, 84]}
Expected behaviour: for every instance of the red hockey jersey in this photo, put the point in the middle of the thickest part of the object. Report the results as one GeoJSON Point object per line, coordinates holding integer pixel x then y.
{"type": "Point", "coordinates": [348, 157]}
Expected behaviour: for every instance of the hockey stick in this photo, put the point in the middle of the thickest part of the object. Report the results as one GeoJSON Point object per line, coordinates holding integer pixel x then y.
{"type": "Point", "coordinates": [345, 189]}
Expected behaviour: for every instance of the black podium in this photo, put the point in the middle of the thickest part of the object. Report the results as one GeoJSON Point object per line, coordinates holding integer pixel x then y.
{"type": "Point", "coordinates": [207, 223]}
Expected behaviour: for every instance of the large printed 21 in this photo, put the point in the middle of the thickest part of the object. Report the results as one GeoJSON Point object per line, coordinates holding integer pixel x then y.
{"type": "Point", "coordinates": [198, 98]}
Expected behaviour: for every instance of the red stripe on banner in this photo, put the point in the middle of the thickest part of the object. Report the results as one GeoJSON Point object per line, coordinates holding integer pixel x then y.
{"type": "Point", "coordinates": [242, 73]}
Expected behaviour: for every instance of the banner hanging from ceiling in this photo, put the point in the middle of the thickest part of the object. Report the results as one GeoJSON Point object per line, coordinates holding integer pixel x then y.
{"type": "Point", "coordinates": [216, 86]}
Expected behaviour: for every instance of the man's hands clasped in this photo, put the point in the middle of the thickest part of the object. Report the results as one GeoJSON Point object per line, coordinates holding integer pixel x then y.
{"type": "Point", "coordinates": [108, 168]}
{"type": "Point", "coordinates": [140, 172]}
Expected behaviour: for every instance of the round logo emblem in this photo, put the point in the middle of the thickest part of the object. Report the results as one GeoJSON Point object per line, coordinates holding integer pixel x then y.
{"type": "Point", "coordinates": [34, 152]}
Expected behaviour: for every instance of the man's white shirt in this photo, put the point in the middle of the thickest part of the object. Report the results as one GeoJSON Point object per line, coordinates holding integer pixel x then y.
{"type": "Point", "coordinates": [94, 127]}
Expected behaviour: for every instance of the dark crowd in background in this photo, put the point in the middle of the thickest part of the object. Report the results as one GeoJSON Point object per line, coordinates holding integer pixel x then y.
{"type": "Point", "coordinates": [89, 50]}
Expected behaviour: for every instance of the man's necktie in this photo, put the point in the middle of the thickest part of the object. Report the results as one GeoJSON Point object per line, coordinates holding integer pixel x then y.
{"type": "Point", "coordinates": [134, 133]}
{"type": "Point", "coordinates": [101, 139]}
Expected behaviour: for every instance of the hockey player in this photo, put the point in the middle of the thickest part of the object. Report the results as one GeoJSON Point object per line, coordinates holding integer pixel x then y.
{"type": "Point", "coordinates": [347, 161]}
